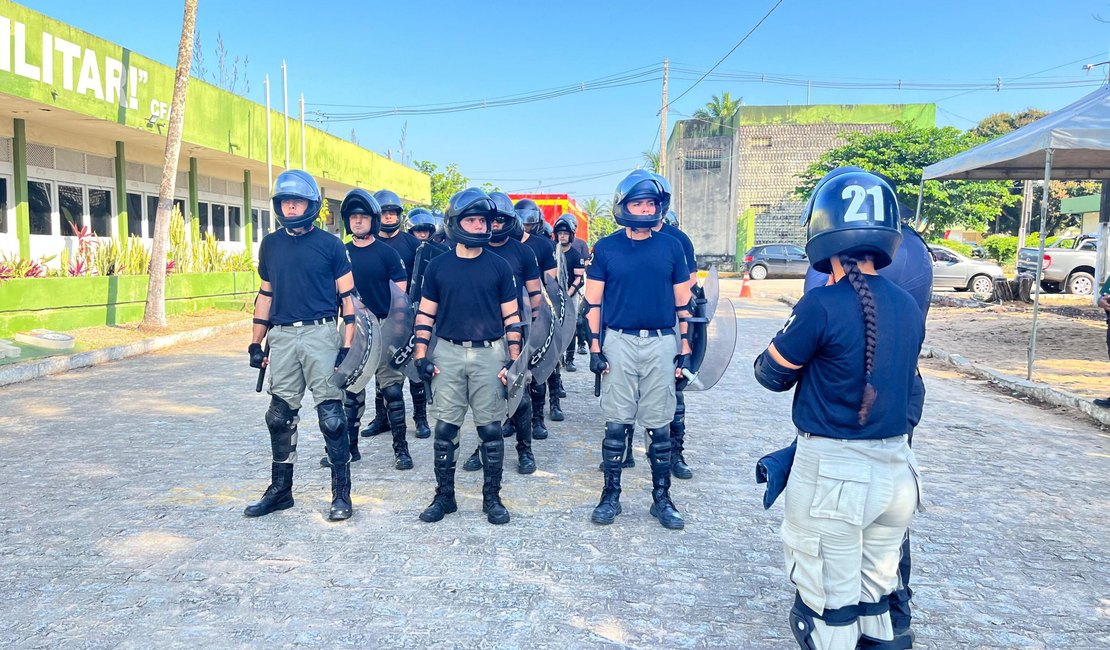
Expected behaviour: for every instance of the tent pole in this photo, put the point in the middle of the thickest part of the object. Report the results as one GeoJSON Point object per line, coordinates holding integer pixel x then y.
{"type": "Point", "coordinates": [1045, 197]}
{"type": "Point", "coordinates": [920, 192]}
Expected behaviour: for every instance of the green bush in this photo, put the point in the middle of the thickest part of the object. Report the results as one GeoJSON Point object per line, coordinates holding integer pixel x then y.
{"type": "Point", "coordinates": [962, 249]}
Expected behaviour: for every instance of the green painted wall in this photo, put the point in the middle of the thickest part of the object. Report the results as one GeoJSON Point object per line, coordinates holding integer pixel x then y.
{"type": "Point", "coordinates": [68, 303]}
{"type": "Point", "coordinates": [94, 77]}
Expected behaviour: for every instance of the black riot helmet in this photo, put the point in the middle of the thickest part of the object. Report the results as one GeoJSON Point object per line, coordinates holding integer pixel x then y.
{"type": "Point", "coordinates": [566, 223]}
{"type": "Point", "coordinates": [546, 231]}
{"type": "Point", "coordinates": [470, 202]}
{"type": "Point", "coordinates": [641, 184]}
{"type": "Point", "coordinates": [671, 218]}
{"type": "Point", "coordinates": [296, 184]}
{"type": "Point", "coordinates": [506, 216]}
{"type": "Point", "coordinates": [359, 201]}
{"type": "Point", "coordinates": [421, 219]}
{"type": "Point", "coordinates": [851, 212]}
{"type": "Point", "coordinates": [530, 215]}
{"type": "Point", "coordinates": [388, 200]}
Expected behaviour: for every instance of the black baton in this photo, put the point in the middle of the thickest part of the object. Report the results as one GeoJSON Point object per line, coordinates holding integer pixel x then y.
{"type": "Point", "coordinates": [597, 385]}
{"type": "Point", "coordinates": [262, 370]}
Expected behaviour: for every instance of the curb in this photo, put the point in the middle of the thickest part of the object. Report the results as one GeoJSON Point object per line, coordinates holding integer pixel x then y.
{"type": "Point", "coordinates": [1036, 391]}
{"type": "Point", "coordinates": [29, 370]}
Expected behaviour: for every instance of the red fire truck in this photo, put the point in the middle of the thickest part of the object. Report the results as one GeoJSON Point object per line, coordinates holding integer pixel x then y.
{"type": "Point", "coordinates": [556, 205]}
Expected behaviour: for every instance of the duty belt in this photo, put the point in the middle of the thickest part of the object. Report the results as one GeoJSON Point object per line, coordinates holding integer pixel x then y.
{"type": "Point", "coordinates": [306, 323]}
{"type": "Point", "coordinates": [647, 334]}
{"type": "Point", "coordinates": [472, 344]}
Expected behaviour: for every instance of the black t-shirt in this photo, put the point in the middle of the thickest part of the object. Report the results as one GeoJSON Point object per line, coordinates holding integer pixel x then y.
{"type": "Point", "coordinates": [373, 267]}
{"type": "Point", "coordinates": [545, 252]}
{"type": "Point", "coordinates": [825, 335]}
{"type": "Point", "coordinates": [522, 262]}
{"type": "Point", "coordinates": [405, 245]}
{"type": "Point", "coordinates": [639, 277]}
{"type": "Point", "coordinates": [687, 246]}
{"type": "Point", "coordinates": [469, 293]}
{"type": "Point", "coordinates": [302, 271]}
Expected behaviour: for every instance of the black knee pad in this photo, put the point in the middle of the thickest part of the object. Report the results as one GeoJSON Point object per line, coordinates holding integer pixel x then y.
{"type": "Point", "coordinates": [282, 423]}
{"type": "Point", "coordinates": [612, 446]}
{"type": "Point", "coordinates": [493, 444]}
{"type": "Point", "coordinates": [801, 625]}
{"type": "Point", "coordinates": [333, 423]}
{"type": "Point", "coordinates": [659, 449]}
{"type": "Point", "coordinates": [394, 398]}
{"type": "Point", "coordinates": [447, 431]}
{"type": "Point", "coordinates": [354, 405]}
{"type": "Point", "coordinates": [553, 380]}
{"type": "Point", "coordinates": [446, 443]}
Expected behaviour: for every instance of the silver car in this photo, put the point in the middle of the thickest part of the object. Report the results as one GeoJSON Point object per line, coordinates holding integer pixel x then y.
{"type": "Point", "coordinates": [955, 271]}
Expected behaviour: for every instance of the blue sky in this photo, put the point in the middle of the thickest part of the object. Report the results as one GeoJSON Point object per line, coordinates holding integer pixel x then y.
{"type": "Point", "coordinates": [403, 54]}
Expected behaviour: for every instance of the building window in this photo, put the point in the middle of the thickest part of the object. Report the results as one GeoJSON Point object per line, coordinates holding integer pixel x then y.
{"type": "Point", "coordinates": [760, 141]}
{"type": "Point", "coordinates": [71, 208]}
{"type": "Point", "coordinates": [704, 158]}
{"type": "Point", "coordinates": [40, 206]}
{"type": "Point", "coordinates": [3, 205]}
{"type": "Point", "coordinates": [760, 208]}
{"type": "Point", "coordinates": [100, 211]}
{"type": "Point", "coordinates": [151, 214]}
{"type": "Point", "coordinates": [202, 218]}
{"type": "Point", "coordinates": [234, 223]}
{"type": "Point", "coordinates": [134, 214]}
{"type": "Point", "coordinates": [219, 223]}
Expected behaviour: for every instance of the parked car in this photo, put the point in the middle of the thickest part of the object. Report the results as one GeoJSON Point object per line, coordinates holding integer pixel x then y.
{"type": "Point", "coordinates": [1068, 264]}
{"type": "Point", "coordinates": [776, 260]}
{"type": "Point", "coordinates": [955, 271]}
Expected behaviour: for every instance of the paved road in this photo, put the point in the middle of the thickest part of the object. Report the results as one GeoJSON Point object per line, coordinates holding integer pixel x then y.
{"type": "Point", "coordinates": [123, 487]}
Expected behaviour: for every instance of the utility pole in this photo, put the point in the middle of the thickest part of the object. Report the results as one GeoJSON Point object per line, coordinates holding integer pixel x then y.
{"type": "Point", "coordinates": [663, 126]}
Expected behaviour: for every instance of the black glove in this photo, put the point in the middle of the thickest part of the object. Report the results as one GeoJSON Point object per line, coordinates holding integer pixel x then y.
{"type": "Point", "coordinates": [425, 368]}
{"type": "Point", "coordinates": [341, 356]}
{"type": "Point", "coordinates": [257, 355]}
{"type": "Point", "coordinates": [598, 363]}
{"type": "Point", "coordinates": [682, 362]}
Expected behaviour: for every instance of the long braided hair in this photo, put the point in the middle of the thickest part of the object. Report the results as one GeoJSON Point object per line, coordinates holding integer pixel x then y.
{"type": "Point", "coordinates": [870, 329]}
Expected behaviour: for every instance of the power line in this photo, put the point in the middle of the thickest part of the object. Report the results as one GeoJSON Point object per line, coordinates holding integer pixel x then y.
{"type": "Point", "coordinates": [741, 42]}
{"type": "Point", "coordinates": [533, 169]}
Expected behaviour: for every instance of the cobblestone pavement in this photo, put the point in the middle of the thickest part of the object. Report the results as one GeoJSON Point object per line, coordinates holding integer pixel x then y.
{"type": "Point", "coordinates": [124, 484]}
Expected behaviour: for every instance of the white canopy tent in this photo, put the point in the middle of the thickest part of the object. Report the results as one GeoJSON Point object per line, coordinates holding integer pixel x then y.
{"type": "Point", "coordinates": [1072, 143]}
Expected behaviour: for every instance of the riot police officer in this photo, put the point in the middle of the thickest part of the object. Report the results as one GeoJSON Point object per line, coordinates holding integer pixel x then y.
{"type": "Point", "coordinates": [471, 300]}
{"type": "Point", "coordinates": [304, 272]}
{"type": "Point", "coordinates": [526, 272]}
{"type": "Point", "coordinates": [531, 217]}
{"type": "Point", "coordinates": [564, 229]}
{"type": "Point", "coordinates": [636, 286]}
{"type": "Point", "coordinates": [851, 349]}
{"type": "Point", "coordinates": [374, 266]}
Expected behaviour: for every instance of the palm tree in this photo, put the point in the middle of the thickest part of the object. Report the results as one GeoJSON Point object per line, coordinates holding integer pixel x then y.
{"type": "Point", "coordinates": [651, 161]}
{"type": "Point", "coordinates": [154, 315]}
{"type": "Point", "coordinates": [601, 218]}
{"type": "Point", "coordinates": [595, 207]}
{"type": "Point", "coordinates": [718, 112]}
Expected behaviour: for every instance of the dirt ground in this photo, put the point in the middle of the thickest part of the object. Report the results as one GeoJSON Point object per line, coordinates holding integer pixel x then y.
{"type": "Point", "coordinates": [1071, 341]}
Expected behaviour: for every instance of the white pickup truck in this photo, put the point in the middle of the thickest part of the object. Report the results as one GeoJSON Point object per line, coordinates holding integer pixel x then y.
{"type": "Point", "coordinates": [1068, 264]}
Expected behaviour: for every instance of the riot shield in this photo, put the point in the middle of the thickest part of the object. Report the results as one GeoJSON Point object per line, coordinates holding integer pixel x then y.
{"type": "Point", "coordinates": [543, 350]}
{"type": "Point", "coordinates": [397, 335]}
{"type": "Point", "coordinates": [516, 382]}
{"type": "Point", "coordinates": [712, 290]}
{"type": "Point", "coordinates": [720, 343]}
{"type": "Point", "coordinates": [563, 315]}
{"type": "Point", "coordinates": [362, 359]}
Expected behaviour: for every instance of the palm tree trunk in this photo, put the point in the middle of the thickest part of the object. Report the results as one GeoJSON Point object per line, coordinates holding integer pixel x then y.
{"type": "Point", "coordinates": [154, 316]}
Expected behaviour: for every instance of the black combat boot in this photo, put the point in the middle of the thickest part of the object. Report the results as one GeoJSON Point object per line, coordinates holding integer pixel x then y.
{"type": "Point", "coordinates": [568, 361]}
{"type": "Point", "coordinates": [444, 467]}
{"type": "Point", "coordinates": [418, 392]}
{"type": "Point", "coordinates": [493, 456]}
{"type": "Point", "coordinates": [395, 413]}
{"type": "Point", "coordinates": [659, 453]}
{"type": "Point", "coordinates": [556, 411]}
{"type": "Point", "coordinates": [380, 423]}
{"type": "Point", "coordinates": [678, 436]}
{"type": "Point", "coordinates": [278, 496]}
{"type": "Point", "coordinates": [581, 347]}
{"type": "Point", "coordinates": [340, 492]}
{"type": "Point", "coordinates": [474, 463]}
{"type": "Point", "coordinates": [612, 448]}
{"type": "Point", "coordinates": [558, 387]}
{"type": "Point", "coordinates": [522, 424]}
{"type": "Point", "coordinates": [536, 393]}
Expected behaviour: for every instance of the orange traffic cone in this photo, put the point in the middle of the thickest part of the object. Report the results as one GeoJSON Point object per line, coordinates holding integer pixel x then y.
{"type": "Point", "coordinates": [745, 288]}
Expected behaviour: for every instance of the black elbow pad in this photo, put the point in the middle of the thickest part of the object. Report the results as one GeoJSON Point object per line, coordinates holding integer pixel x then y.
{"type": "Point", "coordinates": [774, 376]}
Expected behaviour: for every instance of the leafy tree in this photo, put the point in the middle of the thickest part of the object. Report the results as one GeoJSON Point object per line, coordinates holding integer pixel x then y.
{"type": "Point", "coordinates": [901, 154]}
{"type": "Point", "coordinates": [600, 216]}
{"type": "Point", "coordinates": [992, 126]}
{"type": "Point", "coordinates": [651, 161]}
{"type": "Point", "coordinates": [445, 183]}
{"type": "Point", "coordinates": [718, 111]}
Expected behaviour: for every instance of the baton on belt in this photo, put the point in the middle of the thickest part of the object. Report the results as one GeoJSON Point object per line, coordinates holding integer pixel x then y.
{"type": "Point", "coordinates": [262, 370]}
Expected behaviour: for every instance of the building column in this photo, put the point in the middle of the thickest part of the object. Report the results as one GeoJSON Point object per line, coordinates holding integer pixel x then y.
{"type": "Point", "coordinates": [248, 227]}
{"type": "Point", "coordinates": [194, 202]}
{"type": "Point", "coordinates": [20, 191]}
{"type": "Point", "coordinates": [121, 192]}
